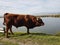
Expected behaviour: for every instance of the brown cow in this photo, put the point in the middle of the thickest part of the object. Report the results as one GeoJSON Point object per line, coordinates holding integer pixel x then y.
{"type": "Point", "coordinates": [19, 20]}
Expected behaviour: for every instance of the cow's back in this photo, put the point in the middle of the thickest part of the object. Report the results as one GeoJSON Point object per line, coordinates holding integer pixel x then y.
{"type": "Point", "coordinates": [18, 20]}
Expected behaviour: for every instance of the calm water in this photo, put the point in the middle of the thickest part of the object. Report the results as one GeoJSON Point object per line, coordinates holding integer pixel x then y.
{"type": "Point", "coordinates": [52, 26]}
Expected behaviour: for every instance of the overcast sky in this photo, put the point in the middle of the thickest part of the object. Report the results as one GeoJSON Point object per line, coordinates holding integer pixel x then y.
{"type": "Point", "coordinates": [29, 6]}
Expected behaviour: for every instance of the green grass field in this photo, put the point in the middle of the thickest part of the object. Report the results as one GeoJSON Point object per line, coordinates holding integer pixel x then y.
{"type": "Point", "coordinates": [32, 39]}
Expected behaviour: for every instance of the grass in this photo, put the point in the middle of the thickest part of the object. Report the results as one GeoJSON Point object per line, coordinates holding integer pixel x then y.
{"type": "Point", "coordinates": [32, 39]}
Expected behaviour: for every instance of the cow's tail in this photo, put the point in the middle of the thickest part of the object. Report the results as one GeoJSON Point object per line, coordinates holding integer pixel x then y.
{"type": "Point", "coordinates": [4, 18]}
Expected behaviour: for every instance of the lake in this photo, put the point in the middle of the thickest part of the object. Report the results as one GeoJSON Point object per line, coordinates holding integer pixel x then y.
{"type": "Point", "coordinates": [52, 26]}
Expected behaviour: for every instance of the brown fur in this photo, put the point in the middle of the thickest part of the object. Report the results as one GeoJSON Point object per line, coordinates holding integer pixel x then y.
{"type": "Point", "coordinates": [19, 20]}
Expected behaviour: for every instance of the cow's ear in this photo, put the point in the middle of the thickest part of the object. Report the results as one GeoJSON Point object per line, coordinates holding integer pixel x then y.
{"type": "Point", "coordinates": [38, 18]}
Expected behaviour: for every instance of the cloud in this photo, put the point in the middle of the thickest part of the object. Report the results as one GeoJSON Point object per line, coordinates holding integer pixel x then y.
{"type": "Point", "coordinates": [29, 6]}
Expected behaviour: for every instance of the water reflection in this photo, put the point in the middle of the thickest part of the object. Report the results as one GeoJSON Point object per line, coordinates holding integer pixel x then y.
{"type": "Point", "coordinates": [52, 26]}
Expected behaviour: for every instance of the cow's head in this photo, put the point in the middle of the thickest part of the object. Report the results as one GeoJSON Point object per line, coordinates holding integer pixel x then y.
{"type": "Point", "coordinates": [39, 22]}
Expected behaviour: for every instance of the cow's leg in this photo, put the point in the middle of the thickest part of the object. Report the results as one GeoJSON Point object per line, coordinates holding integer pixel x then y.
{"type": "Point", "coordinates": [28, 31]}
{"type": "Point", "coordinates": [7, 28]}
{"type": "Point", "coordinates": [11, 30]}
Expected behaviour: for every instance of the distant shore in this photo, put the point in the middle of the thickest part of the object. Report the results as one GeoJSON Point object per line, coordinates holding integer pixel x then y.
{"type": "Point", "coordinates": [49, 16]}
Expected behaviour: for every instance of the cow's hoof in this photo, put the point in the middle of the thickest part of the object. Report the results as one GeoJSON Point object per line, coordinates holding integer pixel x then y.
{"type": "Point", "coordinates": [28, 33]}
{"type": "Point", "coordinates": [7, 36]}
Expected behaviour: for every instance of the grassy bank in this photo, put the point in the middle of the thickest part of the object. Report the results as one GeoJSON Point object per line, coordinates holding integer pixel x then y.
{"type": "Point", "coordinates": [31, 39]}
{"type": "Point", "coordinates": [56, 16]}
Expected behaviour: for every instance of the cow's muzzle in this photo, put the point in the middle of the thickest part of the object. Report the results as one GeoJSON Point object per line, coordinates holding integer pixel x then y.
{"type": "Point", "coordinates": [42, 24]}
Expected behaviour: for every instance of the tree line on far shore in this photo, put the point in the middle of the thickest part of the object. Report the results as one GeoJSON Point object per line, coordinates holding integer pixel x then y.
{"type": "Point", "coordinates": [49, 15]}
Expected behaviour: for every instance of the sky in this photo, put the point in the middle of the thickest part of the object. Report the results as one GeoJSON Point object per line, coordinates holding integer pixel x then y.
{"type": "Point", "coordinates": [29, 6]}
